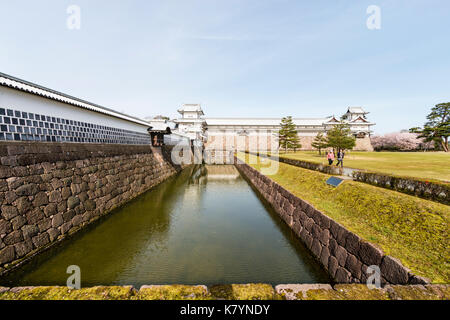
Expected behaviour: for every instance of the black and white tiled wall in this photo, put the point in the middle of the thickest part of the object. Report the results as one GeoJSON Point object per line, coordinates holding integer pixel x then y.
{"type": "Point", "coordinates": [26, 126]}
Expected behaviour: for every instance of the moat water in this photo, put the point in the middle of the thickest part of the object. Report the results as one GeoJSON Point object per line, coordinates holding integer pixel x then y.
{"type": "Point", "coordinates": [205, 225]}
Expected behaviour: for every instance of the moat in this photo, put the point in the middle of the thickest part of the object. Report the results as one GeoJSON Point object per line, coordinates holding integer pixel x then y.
{"type": "Point", "coordinates": [205, 225]}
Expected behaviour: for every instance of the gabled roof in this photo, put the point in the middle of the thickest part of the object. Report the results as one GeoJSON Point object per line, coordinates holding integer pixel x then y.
{"type": "Point", "coordinates": [360, 119]}
{"type": "Point", "coordinates": [159, 125]}
{"type": "Point", "coordinates": [194, 107]}
{"type": "Point", "coordinates": [29, 87]}
{"type": "Point", "coordinates": [333, 120]}
{"type": "Point", "coordinates": [356, 110]}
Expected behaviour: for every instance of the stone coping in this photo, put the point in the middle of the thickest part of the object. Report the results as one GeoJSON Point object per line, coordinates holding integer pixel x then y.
{"type": "Point", "coordinates": [14, 154]}
{"type": "Point", "coordinates": [231, 292]}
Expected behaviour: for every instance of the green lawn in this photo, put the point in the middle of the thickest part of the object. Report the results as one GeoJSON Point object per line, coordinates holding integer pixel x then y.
{"type": "Point", "coordinates": [411, 229]}
{"type": "Point", "coordinates": [424, 165]}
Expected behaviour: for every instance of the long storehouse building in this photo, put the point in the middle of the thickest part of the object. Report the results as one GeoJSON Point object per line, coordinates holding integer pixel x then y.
{"type": "Point", "coordinates": [30, 112]}
{"type": "Point", "coordinates": [260, 133]}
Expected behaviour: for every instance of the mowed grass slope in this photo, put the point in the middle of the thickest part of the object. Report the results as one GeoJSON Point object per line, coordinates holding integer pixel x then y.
{"type": "Point", "coordinates": [424, 165]}
{"type": "Point", "coordinates": [408, 228]}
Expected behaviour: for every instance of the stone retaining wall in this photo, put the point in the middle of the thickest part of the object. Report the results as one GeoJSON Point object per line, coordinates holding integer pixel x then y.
{"type": "Point", "coordinates": [342, 253]}
{"type": "Point", "coordinates": [438, 192]}
{"type": "Point", "coordinates": [48, 191]}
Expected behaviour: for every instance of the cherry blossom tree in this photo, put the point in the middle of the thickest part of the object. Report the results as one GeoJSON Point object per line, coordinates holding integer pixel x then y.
{"type": "Point", "coordinates": [401, 141]}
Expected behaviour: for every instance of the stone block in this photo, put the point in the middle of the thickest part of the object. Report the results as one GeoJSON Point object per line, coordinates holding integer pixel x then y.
{"type": "Point", "coordinates": [27, 190]}
{"type": "Point", "coordinates": [352, 243]}
{"type": "Point", "coordinates": [83, 196]}
{"type": "Point", "coordinates": [353, 265]}
{"type": "Point", "coordinates": [5, 226]}
{"type": "Point", "coordinates": [10, 197]}
{"type": "Point", "coordinates": [302, 217]}
{"type": "Point", "coordinates": [13, 238]}
{"type": "Point", "coordinates": [55, 196]}
{"type": "Point", "coordinates": [308, 224]}
{"type": "Point", "coordinates": [316, 248]}
{"type": "Point", "coordinates": [9, 212]}
{"type": "Point", "coordinates": [332, 266]}
{"type": "Point", "coordinates": [297, 228]}
{"type": "Point", "coordinates": [50, 209]}
{"type": "Point", "coordinates": [324, 257]}
{"type": "Point", "coordinates": [341, 255]}
{"type": "Point", "coordinates": [56, 183]}
{"type": "Point", "coordinates": [5, 172]}
{"type": "Point", "coordinates": [316, 215]}
{"type": "Point", "coordinates": [65, 227]}
{"type": "Point", "coordinates": [414, 279]}
{"type": "Point", "coordinates": [299, 291]}
{"type": "Point", "coordinates": [68, 215]}
{"type": "Point", "coordinates": [308, 209]}
{"type": "Point", "coordinates": [62, 206]}
{"type": "Point", "coordinates": [72, 202]}
{"type": "Point", "coordinates": [393, 271]}
{"type": "Point", "coordinates": [66, 193]}
{"type": "Point", "coordinates": [40, 199]}
{"type": "Point", "coordinates": [41, 240]}
{"type": "Point", "coordinates": [77, 220]}
{"type": "Point", "coordinates": [18, 222]}
{"type": "Point", "coordinates": [342, 236]}
{"type": "Point", "coordinates": [53, 234]}
{"type": "Point", "coordinates": [370, 254]}
{"type": "Point", "coordinates": [316, 231]}
{"type": "Point", "coordinates": [332, 245]}
{"type": "Point", "coordinates": [34, 216]}
{"type": "Point", "coordinates": [23, 248]}
{"type": "Point", "coordinates": [29, 231]}
{"type": "Point", "coordinates": [342, 275]}
{"type": "Point", "coordinates": [23, 205]}
{"type": "Point", "coordinates": [324, 237]}
{"type": "Point", "coordinates": [57, 220]}
{"type": "Point", "coordinates": [45, 224]}
{"type": "Point", "coordinates": [325, 221]}
{"type": "Point", "coordinates": [7, 255]}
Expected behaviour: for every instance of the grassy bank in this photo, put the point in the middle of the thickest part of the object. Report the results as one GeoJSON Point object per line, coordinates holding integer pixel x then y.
{"type": "Point", "coordinates": [424, 165]}
{"type": "Point", "coordinates": [409, 228]}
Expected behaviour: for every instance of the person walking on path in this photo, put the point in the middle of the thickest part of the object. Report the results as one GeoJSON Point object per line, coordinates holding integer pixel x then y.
{"type": "Point", "coordinates": [330, 157]}
{"type": "Point", "coordinates": [340, 157]}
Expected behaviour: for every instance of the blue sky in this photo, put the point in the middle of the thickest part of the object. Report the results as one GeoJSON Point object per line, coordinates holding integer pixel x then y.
{"type": "Point", "coordinates": [239, 58]}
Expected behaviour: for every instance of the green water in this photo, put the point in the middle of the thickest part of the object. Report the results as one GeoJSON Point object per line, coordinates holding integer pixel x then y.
{"type": "Point", "coordinates": [205, 225]}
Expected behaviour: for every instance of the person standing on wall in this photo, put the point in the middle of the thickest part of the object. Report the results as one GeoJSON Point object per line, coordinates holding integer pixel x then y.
{"type": "Point", "coordinates": [340, 156]}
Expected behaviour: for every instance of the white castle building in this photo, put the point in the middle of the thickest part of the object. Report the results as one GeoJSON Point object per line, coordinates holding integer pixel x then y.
{"type": "Point", "coordinates": [260, 133]}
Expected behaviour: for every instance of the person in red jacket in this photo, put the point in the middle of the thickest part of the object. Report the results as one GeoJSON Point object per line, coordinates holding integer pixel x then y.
{"type": "Point", "coordinates": [330, 157]}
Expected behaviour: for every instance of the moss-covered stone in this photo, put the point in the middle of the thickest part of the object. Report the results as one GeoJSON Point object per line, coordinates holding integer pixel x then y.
{"type": "Point", "coordinates": [320, 294]}
{"type": "Point", "coordinates": [360, 292]}
{"type": "Point", "coordinates": [298, 291]}
{"type": "Point", "coordinates": [173, 292]}
{"type": "Point", "coordinates": [416, 292]}
{"type": "Point", "coordinates": [257, 291]}
{"type": "Point", "coordinates": [64, 293]}
{"type": "Point", "coordinates": [230, 292]}
{"type": "Point", "coordinates": [441, 290]}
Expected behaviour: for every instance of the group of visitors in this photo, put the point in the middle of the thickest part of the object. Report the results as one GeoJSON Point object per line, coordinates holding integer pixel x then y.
{"type": "Point", "coordinates": [340, 157]}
